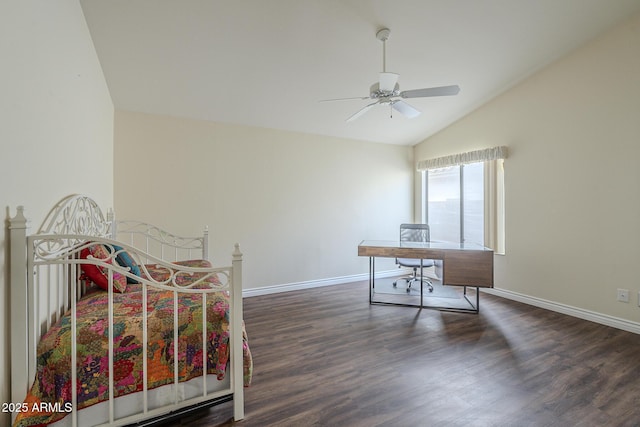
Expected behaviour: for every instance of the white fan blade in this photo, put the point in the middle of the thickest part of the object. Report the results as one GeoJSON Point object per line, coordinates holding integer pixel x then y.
{"type": "Point", "coordinates": [361, 112]}
{"type": "Point", "coordinates": [431, 91]}
{"type": "Point", "coordinates": [388, 81]}
{"type": "Point", "coordinates": [344, 99]}
{"type": "Point", "coordinates": [405, 109]}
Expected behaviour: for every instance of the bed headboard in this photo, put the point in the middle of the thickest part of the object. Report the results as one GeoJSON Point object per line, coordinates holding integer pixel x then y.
{"type": "Point", "coordinates": [77, 214]}
{"type": "Point", "coordinates": [74, 219]}
{"type": "Point", "coordinates": [81, 215]}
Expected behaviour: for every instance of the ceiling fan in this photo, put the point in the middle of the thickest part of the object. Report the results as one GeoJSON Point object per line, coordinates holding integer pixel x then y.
{"type": "Point", "coordinates": [387, 91]}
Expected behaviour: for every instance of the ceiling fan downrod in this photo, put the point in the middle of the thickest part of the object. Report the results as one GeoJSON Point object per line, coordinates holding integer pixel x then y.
{"type": "Point", "coordinates": [383, 36]}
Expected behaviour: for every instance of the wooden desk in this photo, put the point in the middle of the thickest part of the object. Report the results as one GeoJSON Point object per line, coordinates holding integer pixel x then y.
{"type": "Point", "coordinates": [463, 264]}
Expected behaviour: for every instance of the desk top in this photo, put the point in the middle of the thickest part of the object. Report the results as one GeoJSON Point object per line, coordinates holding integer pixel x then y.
{"type": "Point", "coordinates": [464, 264]}
{"type": "Point", "coordinates": [434, 245]}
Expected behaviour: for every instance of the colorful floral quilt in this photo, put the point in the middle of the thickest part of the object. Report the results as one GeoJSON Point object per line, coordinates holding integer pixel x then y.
{"type": "Point", "coordinates": [52, 385]}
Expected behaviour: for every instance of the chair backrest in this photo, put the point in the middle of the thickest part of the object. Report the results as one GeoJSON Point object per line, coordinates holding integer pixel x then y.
{"type": "Point", "coordinates": [414, 233]}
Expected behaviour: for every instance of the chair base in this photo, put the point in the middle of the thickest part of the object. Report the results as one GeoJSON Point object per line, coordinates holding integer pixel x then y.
{"type": "Point", "coordinates": [411, 279]}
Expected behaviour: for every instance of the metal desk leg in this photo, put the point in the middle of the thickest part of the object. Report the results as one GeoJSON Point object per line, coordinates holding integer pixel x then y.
{"type": "Point", "coordinates": [371, 282]}
{"type": "Point", "coordinates": [475, 309]}
{"type": "Point", "coordinates": [421, 284]}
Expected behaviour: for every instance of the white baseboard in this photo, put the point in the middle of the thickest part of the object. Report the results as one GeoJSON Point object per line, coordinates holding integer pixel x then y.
{"type": "Point", "coordinates": [603, 319]}
{"type": "Point", "coordinates": [265, 290]}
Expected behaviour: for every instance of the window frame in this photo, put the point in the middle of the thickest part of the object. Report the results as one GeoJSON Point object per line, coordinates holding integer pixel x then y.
{"type": "Point", "coordinates": [494, 202]}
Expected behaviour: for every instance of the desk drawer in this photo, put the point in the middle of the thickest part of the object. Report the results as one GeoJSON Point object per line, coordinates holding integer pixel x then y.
{"type": "Point", "coordinates": [468, 268]}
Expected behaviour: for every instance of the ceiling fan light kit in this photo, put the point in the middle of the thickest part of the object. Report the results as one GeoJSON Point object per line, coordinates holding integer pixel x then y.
{"type": "Point", "coordinates": [387, 90]}
{"type": "Point", "coordinates": [388, 82]}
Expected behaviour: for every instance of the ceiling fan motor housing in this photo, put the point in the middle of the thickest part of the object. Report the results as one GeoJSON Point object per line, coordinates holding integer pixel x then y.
{"type": "Point", "coordinates": [376, 93]}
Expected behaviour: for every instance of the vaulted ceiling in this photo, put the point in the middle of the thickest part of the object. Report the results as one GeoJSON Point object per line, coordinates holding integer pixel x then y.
{"type": "Point", "coordinates": [267, 63]}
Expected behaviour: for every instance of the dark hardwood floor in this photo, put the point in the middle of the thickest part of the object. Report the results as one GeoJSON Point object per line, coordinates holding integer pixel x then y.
{"type": "Point", "coordinates": [325, 357]}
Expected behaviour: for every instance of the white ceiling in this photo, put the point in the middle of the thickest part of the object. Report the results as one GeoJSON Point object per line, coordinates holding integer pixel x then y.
{"type": "Point", "coordinates": [267, 63]}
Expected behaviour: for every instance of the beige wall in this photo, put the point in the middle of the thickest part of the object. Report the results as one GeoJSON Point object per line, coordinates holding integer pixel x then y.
{"type": "Point", "coordinates": [298, 204]}
{"type": "Point", "coordinates": [572, 199]}
{"type": "Point", "coordinates": [56, 131]}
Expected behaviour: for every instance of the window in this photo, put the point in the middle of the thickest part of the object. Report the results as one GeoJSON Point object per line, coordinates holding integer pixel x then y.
{"type": "Point", "coordinates": [463, 197]}
{"type": "Point", "coordinates": [455, 203]}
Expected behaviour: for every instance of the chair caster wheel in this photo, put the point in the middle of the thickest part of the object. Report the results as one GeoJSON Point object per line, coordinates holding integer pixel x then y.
{"type": "Point", "coordinates": [408, 290]}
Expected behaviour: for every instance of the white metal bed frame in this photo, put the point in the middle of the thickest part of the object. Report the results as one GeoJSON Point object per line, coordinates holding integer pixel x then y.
{"type": "Point", "coordinates": [46, 282]}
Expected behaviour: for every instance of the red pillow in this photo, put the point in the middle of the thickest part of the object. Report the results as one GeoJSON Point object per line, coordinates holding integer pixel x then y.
{"type": "Point", "coordinates": [99, 274]}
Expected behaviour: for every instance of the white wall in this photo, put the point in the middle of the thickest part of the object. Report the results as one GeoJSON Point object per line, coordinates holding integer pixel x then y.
{"type": "Point", "coordinates": [572, 198]}
{"type": "Point", "coordinates": [298, 204]}
{"type": "Point", "coordinates": [56, 115]}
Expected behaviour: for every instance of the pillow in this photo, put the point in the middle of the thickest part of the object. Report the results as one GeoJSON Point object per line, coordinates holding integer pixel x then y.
{"type": "Point", "coordinates": [125, 260]}
{"type": "Point", "coordinates": [98, 274]}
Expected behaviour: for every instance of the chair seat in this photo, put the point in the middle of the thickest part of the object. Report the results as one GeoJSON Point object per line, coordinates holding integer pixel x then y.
{"type": "Point", "coordinates": [415, 263]}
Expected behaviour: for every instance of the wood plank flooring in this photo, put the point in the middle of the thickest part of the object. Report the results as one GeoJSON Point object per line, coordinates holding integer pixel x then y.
{"type": "Point", "coordinates": [325, 357]}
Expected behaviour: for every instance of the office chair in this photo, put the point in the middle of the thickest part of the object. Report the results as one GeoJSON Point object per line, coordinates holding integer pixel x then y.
{"type": "Point", "coordinates": [414, 233]}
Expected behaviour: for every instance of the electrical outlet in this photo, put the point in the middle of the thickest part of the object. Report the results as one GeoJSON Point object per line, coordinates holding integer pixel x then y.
{"type": "Point", "coordinates": [623, 295]}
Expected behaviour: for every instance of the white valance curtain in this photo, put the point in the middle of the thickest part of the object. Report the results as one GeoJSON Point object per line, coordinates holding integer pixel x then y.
{"type": "Point", "coordinates": [487, 154]}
